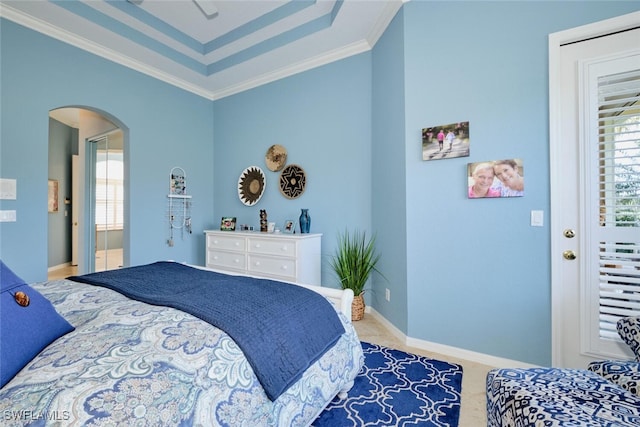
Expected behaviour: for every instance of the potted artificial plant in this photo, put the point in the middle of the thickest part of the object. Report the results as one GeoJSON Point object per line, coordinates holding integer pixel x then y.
{"type": "Point", "coordinates": [354, 259]}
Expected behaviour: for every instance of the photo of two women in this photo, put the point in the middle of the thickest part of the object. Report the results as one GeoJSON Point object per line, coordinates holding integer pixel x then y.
{"type": "Point", "coordinates": [496, 178]}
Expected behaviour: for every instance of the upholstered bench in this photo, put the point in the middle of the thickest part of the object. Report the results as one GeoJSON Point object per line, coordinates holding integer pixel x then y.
{"type": "Point", "coordinates": [605, 394]}
{"type": "Point", "coordinates": [557, 397]}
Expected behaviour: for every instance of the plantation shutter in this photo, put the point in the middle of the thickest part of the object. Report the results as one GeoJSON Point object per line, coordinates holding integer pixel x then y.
{"type": "Point", "coordinates": [109, 191]}
{"type": "Point", "coordinates": [619, 199]}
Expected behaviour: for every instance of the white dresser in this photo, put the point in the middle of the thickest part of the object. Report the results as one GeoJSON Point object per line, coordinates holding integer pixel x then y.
{"type": "Point", "coordinates": [288, 257]}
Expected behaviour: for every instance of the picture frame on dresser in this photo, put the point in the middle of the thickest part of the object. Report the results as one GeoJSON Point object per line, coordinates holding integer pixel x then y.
{"type": "Point", "coordinates": [228, 223]}
{"type": "Point", "coordinates": [289, 227]}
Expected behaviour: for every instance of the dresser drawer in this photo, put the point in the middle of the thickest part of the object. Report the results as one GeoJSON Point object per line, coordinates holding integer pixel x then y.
{"type": "Point", "coordinates": [263, 265]}
{"type": "Point", "coordinates": [271, 246]}
{"type": "Point", "coordinates": [227, 260]}
{"type": "Point", "coordinates": [228, 243]}
{"type": "Point", "coordinates": [287, 257]}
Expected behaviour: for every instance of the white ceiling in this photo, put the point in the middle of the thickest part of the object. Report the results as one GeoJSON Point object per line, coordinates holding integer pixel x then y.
{"type": "Point", "coordinates": [214, 48]}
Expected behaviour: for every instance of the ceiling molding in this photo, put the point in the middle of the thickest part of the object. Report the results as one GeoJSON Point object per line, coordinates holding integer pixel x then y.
{"type": "Point", "coordinates": [342, 53]}
{"type": "Point", "coordinates": [247, 78]}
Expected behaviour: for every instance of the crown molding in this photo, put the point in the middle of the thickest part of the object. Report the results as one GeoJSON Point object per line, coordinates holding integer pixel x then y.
{"type": "Point", "coordinates": [74, 40]}
{"type": "Point", "coordinates": [385, 19]}
{"type": "Point", "coordinates": [315, 62]}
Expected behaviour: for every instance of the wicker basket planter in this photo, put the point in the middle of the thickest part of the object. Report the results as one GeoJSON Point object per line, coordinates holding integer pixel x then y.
{"type": "Point", "coordinates": [357, 308]}
{"type": "Point", "coordinates": [353, 262]}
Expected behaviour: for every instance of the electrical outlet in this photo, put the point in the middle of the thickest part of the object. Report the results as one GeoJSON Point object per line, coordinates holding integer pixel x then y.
{"type": "Point", "coordinates": [387, 294]}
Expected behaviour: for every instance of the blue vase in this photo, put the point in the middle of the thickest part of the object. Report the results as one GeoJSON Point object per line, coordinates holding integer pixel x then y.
{"type": "Point", "coordinates": [304, 221]}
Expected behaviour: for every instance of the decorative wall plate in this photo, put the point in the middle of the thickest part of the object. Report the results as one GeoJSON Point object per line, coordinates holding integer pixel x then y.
{"type": "Point", "coordinates": [251, 185]}
{"type": "Point", "coordinates": [276, 157]}
{"type": "Point", "coordinates": [292, 181]}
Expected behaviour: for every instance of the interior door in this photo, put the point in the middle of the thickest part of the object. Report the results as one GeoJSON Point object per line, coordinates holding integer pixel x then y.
{"type": "Point", "coordinates": [595, 195]}
{"type": "Point", "coordinates": [75, 208]}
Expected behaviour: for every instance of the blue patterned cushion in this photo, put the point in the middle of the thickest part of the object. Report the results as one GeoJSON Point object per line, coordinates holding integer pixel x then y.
{"type": "Point", "coordinates": [629, 331]}
{"type": "Point", "coordinates": [557, 397]}
{"type": "Point", "coordinates": [25, 330]}
{"type": "Point", "coordinates": [624, 374]}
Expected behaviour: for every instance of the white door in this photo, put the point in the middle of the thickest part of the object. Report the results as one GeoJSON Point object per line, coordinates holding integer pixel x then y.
{"type": "Point", "coordinates": [75, 207]}
{"type": "Point", "coordinates": [595, 189]}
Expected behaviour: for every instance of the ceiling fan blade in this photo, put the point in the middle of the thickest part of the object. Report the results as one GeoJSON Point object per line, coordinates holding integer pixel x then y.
{"type": "Point", "coordinates": [207, 7]}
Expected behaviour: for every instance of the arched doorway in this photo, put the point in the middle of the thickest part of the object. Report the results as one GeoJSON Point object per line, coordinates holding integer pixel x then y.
{"type": "Point", "coordinates": [98, 206]}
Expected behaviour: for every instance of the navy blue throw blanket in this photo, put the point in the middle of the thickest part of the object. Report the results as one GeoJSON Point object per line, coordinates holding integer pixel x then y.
{"type": "Point", "coordinates": [281, 328]}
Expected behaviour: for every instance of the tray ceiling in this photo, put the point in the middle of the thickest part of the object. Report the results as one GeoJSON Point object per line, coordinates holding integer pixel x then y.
{"type": "Point", "coordinates": [214, 48]}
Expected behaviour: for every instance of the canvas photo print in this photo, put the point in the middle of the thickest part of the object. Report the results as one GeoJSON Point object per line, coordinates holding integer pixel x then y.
{"type": "Point", "coordinates": [445, 141]}
{"type": "Point", "coordinates": [495, 178]}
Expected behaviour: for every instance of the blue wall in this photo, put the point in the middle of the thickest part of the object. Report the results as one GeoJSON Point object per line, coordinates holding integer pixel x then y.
{"type": "Point", "coordinates": [466, 273]}
{"type": "Point", "coordinates": [390, 174]}
{"type": "Point", "coordinates": [168, 127]}
{"type": "Point", "coordinates": [478, 273]}
{"type": "Point", "coordinates": [323, 118]}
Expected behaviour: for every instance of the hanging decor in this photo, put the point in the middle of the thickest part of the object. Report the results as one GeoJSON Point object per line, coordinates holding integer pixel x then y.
{"type": "Point", "coordinates": [179, 209]}
{"type": "Point", "coordinates": [251, 185]}
{"type": "Point", "coordinates": [292, 181]}
{"type": "Point", "coordinates": [177, 182]}
{"type": "Point", "coordinates": [276, 158]}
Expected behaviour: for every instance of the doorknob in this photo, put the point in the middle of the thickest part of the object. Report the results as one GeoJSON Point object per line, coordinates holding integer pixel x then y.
{"type": "Point", "coordinates": [569, 233]}
{"type": "Point", "coordinates": [570, 255]}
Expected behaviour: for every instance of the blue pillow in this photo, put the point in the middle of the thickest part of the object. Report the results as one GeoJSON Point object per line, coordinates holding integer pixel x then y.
{"type": "Point", "coordinates": [25, 330]}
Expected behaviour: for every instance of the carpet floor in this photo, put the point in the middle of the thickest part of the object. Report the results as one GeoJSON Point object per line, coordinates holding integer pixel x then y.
{"type": "Point", "coordinates": [395, 388]}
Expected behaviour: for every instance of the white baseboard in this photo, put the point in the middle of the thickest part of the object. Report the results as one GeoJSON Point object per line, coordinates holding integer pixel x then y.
{"type": "Point", "coordinates": [58, 267]}
{"type": "Point", "coordinates": [459, 353]}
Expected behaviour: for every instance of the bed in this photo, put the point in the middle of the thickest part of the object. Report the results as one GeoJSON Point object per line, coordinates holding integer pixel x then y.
{"type": "Point", "coordinates": [118, 360]}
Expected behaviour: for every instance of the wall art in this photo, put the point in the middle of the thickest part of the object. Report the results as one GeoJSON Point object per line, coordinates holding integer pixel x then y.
{"type": "Point", "coordinates": [276, 158]}
{"type": "Point", "coordinates": [495, 178]}
{"type": "Point", "coordinates": [251, 185]}
{"type": "Point", "coordinates": [446, 141]}
{"type": "Point", "coordinates": [292, 181]}
{"type": "Point", "coordinates": [52, 200]}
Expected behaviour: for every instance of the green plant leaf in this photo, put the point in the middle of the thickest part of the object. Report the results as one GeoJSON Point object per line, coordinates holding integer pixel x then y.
{"type": "Point", "coordinates": [354, 260]}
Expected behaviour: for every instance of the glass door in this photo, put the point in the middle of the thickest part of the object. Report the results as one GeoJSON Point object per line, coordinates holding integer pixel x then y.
{"type": "Point", "coordinates": [107, 190]}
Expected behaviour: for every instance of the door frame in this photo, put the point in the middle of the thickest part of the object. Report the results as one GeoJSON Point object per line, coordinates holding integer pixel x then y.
{"type": "Point", "coordinates": [556, 41]}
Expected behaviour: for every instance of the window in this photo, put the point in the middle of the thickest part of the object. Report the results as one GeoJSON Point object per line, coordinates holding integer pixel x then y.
{"type": "Point", "coordinates": [619, 198]}
{"type": "Point", "coordinates": [109, 190]}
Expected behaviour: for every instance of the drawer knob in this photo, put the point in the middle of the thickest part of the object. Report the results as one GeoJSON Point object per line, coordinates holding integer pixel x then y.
{"type": "Point", "coordinates": [215, 257]}
{"type": "Point", "coordinates": [215, 242]}
{"type": "Point", "coordinates": [237, 243]}
{"type": "Point", "coordinates": [284, 248]}
{"type": "Point", "coordinates": [284, 267]}
{"type": "Point", "coordinates": [257, 245]}
{"type": "Point", "coordinates": [257, 263]}
{"type": "Point", "coordinates": [237, 261]}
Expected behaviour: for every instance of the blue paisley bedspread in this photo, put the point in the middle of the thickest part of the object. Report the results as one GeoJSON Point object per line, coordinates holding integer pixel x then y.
{"type": "Point", "coordinates": [131, 363]}
{"type": "Point", "coordinates": [281, 329]}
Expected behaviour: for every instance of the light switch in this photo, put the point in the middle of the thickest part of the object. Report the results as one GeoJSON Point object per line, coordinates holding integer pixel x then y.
{"type": "Point", "coordinates": [537, 218]}
{"type": "Point", "coordinates": [7, 216]}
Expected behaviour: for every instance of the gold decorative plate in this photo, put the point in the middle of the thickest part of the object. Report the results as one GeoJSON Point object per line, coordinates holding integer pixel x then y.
{"type": "Point", "coordinates": [292, 181]}
{"type": "Point", "coordinates": [251, 185]}
{"type": "Point", "coordinates": [276, 157]}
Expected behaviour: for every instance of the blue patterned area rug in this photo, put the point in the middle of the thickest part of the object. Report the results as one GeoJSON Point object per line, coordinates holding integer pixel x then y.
{"type": "Point", "coordinates": [395, 388]}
